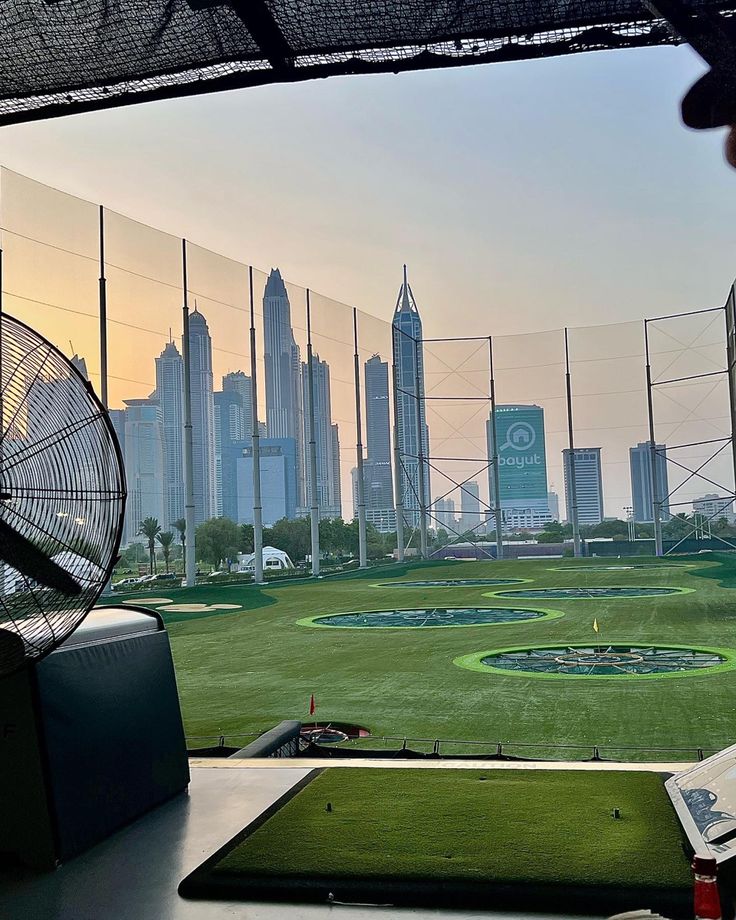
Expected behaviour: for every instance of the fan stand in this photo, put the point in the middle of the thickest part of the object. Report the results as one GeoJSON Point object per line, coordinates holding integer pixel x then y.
{"type": "Point", "coordinates": [91, 737]}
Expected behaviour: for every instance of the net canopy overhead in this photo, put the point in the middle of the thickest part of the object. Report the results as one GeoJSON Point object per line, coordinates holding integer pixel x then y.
{"type": "Point", "coordinates": [65, 56]}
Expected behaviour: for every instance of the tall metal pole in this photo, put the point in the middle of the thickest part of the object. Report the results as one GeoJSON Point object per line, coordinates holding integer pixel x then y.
{"type": "Point", "coordinates": [653, 477]}
{"type": "Point", "coordinates": [730, 309]}
{"type": "Point", "coordinates": [420, 455]}
{"type": "Point", "coordinates": [255, 446]}
{"type": "Point", "coordinates": [362, 544]}
{"type": "Point", "coordinates": [102, 320]}
{"type": "Point", "coordinates": [103, 313]}
{"type": "Point", "coordinates": [496, 497]}
{"type": "Point", "coordinates": [190, 564]}
{"type": "Point", "coordinates": [573, 509]}
{"type": "Point", "coordinates": [314, 503]}
{"type": "Point", "coordinates": [398, 477]}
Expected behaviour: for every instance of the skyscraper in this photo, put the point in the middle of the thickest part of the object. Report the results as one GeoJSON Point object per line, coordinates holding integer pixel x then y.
{"type": "Point", "coordinates": [241, 421]}
{"type": "Point", "coordinates": [470, 517]}
{"type": "Point", "coordinates": [284, 398]}
{"type": "Point", "coordinates": [444, 512]}
{"type": "Point", "coordinates": [144, 464]}
{"type": "Point", "coordinates": [522, 466]}
{"type": "Point", "coordinates": [170, 395]}
{"type": "Point", "coordinates": [640, 461]}
{"type": "Point", "coordinates": [588, 484]}
{"type": "Point", "coordinates": [413, 438]}
{"type": "Point", "coordinates": [377, 473]}
{"type": "Point", "coordinates": [229, 430]}
{"type": "Point", "coordinates": [203, 423]}
{"type": "Point", "coordinates": [278, 481]}
{"type": "Point", "coordinates": [377, 416]}
{"type": "Point", "coordinates": [326, 440]}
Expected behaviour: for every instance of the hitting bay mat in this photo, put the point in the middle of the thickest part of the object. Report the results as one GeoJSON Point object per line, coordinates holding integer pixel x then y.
{"type": "Point", "coordinates": [497, 839]}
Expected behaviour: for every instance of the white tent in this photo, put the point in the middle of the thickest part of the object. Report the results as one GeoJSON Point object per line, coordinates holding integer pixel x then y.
{"type": "Point", "coordinates": [273, 560]}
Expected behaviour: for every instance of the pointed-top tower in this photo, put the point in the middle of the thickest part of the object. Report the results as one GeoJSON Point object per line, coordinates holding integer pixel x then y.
{"type": "Point", "coordinates": [408, 362]}
{"type": "Point", "coordinates": [282, 360]}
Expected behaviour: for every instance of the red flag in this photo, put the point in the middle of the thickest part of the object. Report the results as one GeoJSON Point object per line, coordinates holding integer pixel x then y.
{"type": "Point", "coordinates": [312, 707]}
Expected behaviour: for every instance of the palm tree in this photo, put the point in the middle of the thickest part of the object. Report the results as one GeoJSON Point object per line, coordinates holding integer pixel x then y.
{"type": "Point", "coordinates": [166, 539]}
{"type": "Point", "coordinates": [181, 526]}
{"type": "Point", "coordinates": [150, 529]}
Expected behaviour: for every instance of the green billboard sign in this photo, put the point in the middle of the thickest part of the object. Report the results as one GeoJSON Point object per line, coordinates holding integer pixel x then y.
{"type": "Point", "coordinates": [522, 460]}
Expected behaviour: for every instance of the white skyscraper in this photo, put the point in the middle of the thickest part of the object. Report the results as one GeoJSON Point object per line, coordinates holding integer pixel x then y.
{"type": "Point", "coordinates": [170, 395]}
{"type": "Point", "coordinates": [470, 516]}
{"type": "Point", "coordinates": [144, 465]}
{"type": "Point", "coordinates": [284, 398]}
{"type": "Point", "coordinates": [326, 440]}
{"type": "Point", "coordinates": [588, 484]}
{"type": "Point", "coordinates": [203, 424]}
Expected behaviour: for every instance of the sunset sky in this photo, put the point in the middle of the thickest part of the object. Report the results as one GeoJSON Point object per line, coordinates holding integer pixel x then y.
{"type": "Point", "coordinates": [523, 197]}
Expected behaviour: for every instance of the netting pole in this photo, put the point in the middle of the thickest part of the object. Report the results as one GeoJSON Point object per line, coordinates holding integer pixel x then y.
{"type": "Point", "coordinates": [102, 319]}
{"type": "Point", "coordinates": [255, 446]}
{"type": "Point", "coordinates": [420, 455]}
{"type": "Point", "coordinates": [313, 504]}
{"type": "Point", "coordinates": [398, 479]}
{"type": "Point", "coordinates": [573, 509]}
{"type": "Point", "coordinates": [362, 547]}
{"type": "Point", "coordinates": [103, 313]}
{"type": "Point", "coordinates": [653, 477]}
{"type": "Point", "coordinates": [495, 499]}
{"type": "Point", "coordinates": [731, 364]}
{"type": "Point", "coordinates": [190, 564]}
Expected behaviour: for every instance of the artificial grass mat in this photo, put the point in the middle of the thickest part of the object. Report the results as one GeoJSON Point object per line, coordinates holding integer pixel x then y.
{"type": "Point", "coordinates": [495, 838]}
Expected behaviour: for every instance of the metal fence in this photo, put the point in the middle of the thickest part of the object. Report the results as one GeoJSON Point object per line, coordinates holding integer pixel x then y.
{"type": "Point", "coordinates": [238, 394]}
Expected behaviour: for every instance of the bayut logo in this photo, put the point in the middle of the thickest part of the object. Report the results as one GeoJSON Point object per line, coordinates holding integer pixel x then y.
{"type": "Point", "coordinates": [520, 437]}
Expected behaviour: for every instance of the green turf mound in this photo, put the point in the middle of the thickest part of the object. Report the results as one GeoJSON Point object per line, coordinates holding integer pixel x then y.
{"type": "Point", "coordinates": [497, 839]}
{"type": "Point", "coordinates": [453, 583]}
{"type": "Point", "coordinates": [622, 567]}
{"type": "Point", "coordinates": [589, 593]}
{"type": "Point", "coordinates": [601, 661]}
{"type": "Point", "coordinates": [429, 617]}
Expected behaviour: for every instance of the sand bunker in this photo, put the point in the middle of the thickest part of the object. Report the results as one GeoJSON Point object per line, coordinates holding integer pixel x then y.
{"type": "Point", "coordinates": [196, 608]}
{"type": "Point", "coordinates": [144, 601]}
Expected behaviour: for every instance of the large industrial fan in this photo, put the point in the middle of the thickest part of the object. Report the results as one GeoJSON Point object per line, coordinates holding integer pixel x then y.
{"type": "Point", "coordinates": [90, 726]}
{"type": "Point", "coordinates": [62, 496]}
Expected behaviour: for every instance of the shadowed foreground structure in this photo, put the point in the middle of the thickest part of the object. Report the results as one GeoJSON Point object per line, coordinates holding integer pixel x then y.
{"type": "Point", "coordinates": [62, 57]}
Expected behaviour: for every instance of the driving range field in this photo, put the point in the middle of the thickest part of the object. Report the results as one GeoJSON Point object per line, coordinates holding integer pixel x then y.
{"type": "Point", "coordinates": [247, 657]}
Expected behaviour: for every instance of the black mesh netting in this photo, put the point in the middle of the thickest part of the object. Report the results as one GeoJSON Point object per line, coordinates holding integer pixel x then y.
{"type": "Point", "coordinates": [436, 616]}
{"type": "Point", "coordinates": [573, 593]}
{"type": "Point", "coordinates": [62, 489]}
{"type": "Point", "coordinates": [62, 56]}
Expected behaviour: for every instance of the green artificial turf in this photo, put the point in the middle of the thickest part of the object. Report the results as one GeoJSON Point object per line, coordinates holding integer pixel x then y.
{"type": "Point", "coordinates": [516, 827]}
{"type": "Point", "coordinates": [244, 671]}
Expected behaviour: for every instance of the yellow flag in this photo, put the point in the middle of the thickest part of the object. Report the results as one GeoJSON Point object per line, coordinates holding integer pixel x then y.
{"type": "Point", "coordinates": [595, 625]}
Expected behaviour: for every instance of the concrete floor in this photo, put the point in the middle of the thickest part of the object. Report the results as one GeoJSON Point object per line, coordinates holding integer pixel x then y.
{"type": "Point", "coordinates": [134, 875]}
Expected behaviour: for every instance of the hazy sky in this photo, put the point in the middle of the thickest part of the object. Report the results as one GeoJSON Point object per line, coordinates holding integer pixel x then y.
{"type": "Point", "coordinates": [523, 196]}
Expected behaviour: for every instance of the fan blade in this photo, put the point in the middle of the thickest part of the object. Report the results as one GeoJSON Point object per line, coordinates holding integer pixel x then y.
{"type": "Point", "coordinates": [19, 552]}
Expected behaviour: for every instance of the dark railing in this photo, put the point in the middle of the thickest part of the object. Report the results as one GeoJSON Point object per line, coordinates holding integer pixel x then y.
{"type": "Point", "coordinates": [405, 746]}
{"type": "Point", "coordinates": [280, 741]}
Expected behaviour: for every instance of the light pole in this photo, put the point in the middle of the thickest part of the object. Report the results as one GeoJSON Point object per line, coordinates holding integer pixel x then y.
{"type": "Point", "coordinates": [630, 523]}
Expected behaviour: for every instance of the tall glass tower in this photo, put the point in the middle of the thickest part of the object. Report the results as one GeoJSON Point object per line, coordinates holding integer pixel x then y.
{"type": "Point", "coordinates": [326, 439]}
{"type": "Point", "coordinates": [378, 483]}
{"type": "Point", "coordinates": [640, 462]}
{"type": "Point", "coordinates": [203, 418]}
{"type": "Point", "coordinates": [170, 395]}
{"type": "Point", "coordinates": [284, 412]}
{"type": "Point", "coordinates": [409, 386]}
